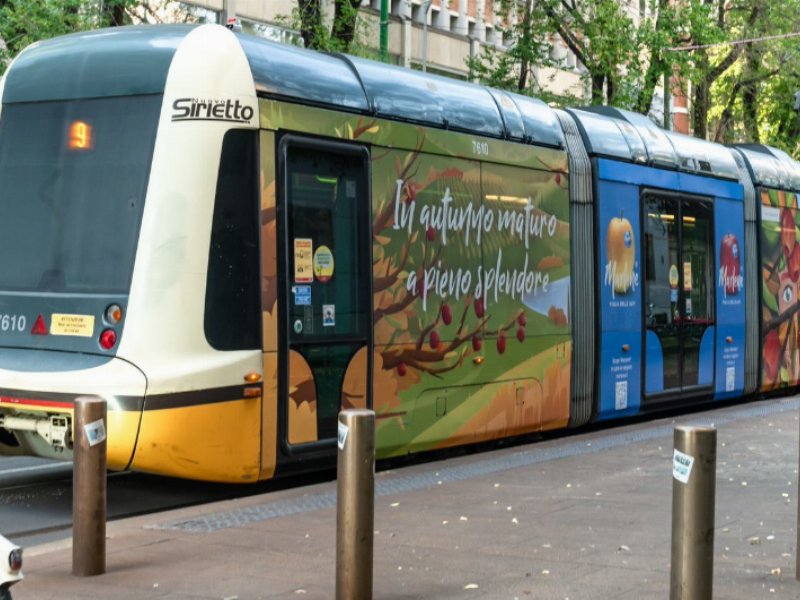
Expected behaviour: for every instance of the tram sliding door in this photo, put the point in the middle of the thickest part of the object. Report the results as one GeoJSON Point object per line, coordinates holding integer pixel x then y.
{"type": "Point", "coordinates": [679, 296]}
{"type": "Point", "coordinates": [326, 330]}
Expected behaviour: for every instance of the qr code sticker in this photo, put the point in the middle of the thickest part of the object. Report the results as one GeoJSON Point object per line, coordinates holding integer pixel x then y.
{"type": "Point", "coordinates": [621, 395]}
{"type": "Point", "coordinates": [730, 379]}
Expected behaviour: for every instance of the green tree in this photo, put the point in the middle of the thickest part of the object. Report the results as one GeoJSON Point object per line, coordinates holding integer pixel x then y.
{"type": "Point", "coordinates": [512, 68]}
{"type": "Point", "coordinates": [753, 99]}
{"type": "Point", "coordinates": [114, 13]}
{"type": "Point", "coordinates": [624, 54]}
{"type": "Point", "coordinates": [711, 56]}
{"type": "Point", "coordinates": [603, 37]}
{"type": "Point", "coordinates": [339, 36]}
{"type": "Point", "coordinates": [740, 90]}
{"type": "Point", "coordinates": [23, 22]}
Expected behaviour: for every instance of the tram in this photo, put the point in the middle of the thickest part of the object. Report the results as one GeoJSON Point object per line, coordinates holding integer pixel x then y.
{"type": "Point", "coordinates": [231, 240]}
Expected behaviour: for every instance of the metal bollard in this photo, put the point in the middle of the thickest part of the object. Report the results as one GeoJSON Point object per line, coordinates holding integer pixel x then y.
{"type": "Point", "coordinates": [355, 504]}
{"type": "Point", "coordinates": [694, 469]}
{"type": "Point", "coordinates": [89, 487]}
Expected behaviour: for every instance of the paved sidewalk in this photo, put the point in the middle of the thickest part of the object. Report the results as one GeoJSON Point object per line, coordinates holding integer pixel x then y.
{"type": "Point", "coordinates": [580, 517]}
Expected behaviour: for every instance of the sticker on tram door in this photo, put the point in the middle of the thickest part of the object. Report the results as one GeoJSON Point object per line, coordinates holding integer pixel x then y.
{"type": "Point", "coordinates": [323, 264]}
{"type": "Point", "coordinates": [302, 295]}
{"type": "Point", "coordinates": [303, 260]}
{"type": "Point", "coordinates": [328, 315]}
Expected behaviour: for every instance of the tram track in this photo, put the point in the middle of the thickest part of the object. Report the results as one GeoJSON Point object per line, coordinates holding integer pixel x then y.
{"type": "Point", "coordinates": [36, 496]}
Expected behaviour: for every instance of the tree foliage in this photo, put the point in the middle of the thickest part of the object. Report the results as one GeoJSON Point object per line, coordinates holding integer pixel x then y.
{"type": "Point", "coordinates": [751, 99]}
{"type": "Point", "coordinates": [23, 22]}
{"type": "Point", "coordinates": [513, 67]}
{"type": "Point", "coordinates": [621, 51]}
{"type": "Point", "coordinates": [337, 36]}
{"type": "Point", "coordinates": [738, 91]}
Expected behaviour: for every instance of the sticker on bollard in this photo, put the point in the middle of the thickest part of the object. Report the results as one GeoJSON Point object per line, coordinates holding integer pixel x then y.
{"type": "Point", "coordinates": [682, 466]}
{"type": "Point", "coordinates": [95, 432]}
{"type": "Point", "coordinates": [343, 429]}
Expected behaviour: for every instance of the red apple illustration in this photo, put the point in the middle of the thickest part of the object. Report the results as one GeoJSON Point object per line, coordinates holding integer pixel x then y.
{"type": "Point", "coordinates": [447, 316]}
{"type": "Point", "coordinates": [521, 334]}
{"type": "Point", "coordinates": [476, 342]}
{"type": "Point", "coordinates": [621, 252]}
{"type": "Point", "coordinates": [730, 263]}
{"type": "Point", "coordinates": [401, 369]}
{"type": "Point", "coordinates": [479, 307]}
{"type": "Point", "coordinates": [434, 340]}
{"type": "Point", "coordinates": [430, 234]}
{"type": "Point", "coordinates": [522, 320]}
{"type": "Point", "coordinates": [501, 342]}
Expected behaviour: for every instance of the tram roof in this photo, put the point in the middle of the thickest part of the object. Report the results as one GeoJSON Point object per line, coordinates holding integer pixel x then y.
{"type": "Point", "coordinates": [108, 62]}
{"type": "Point", "coordinates": [387, 91]}
{"type": "Point", "coordinates": [136, 59]}
{"type": "Point", "coordinates": [622, 134]}
{"type": "Point", "coordinates": [771, 167]}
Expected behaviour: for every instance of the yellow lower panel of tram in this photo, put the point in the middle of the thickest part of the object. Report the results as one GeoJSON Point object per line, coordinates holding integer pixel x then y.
{"type": "Point", "coordinates": [220, 441]}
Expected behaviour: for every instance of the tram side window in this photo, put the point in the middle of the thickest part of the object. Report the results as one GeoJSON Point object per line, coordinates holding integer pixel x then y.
{"type": "Point", "coordinates": [232, 317]}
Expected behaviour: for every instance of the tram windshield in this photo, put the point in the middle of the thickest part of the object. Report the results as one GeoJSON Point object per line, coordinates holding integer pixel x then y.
{"type": "Point", "coordinates": [73, 177]}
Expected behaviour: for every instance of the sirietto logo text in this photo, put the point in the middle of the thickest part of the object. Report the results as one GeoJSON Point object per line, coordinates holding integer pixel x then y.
{"type": "Point", "coordinates": [195, 109]}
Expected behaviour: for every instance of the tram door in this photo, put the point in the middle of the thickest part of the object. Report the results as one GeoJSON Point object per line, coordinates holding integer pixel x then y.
{"type": "Point", "coordinates": [326, 336]}
{"type": "Point", "coordinates": [679, 295]}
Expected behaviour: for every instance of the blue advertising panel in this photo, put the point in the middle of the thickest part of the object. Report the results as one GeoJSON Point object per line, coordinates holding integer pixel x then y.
{"type": "Point", "coordinates": [729, 238]}
{"type": "Point", "coordinates": [620, 298]}
{"type": "Point", "coordinates": [727, 350]}
{"type": "Point", "coordinates": [721, 350]}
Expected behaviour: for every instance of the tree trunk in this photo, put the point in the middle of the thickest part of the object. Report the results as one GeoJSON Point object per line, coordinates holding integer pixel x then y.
{"type": "Point", "coordinates": [656, 67]}
{"type": "Point", "coordinates": [310, 22]}
{"type": "Point", "coordinates": [524, 69]}
{"type": "Point", "coordinates": [700, 109]}
{"type": "Point", "coordinates": [655, 72]}
{"type": "Point", "coordinates": [598, 81]}
{"type": "Point", "coordinates": [345, 16]}
{"type": "Point", "coordinates": [700, 96]}
{"type": "Point", "coordinates": [524, 63]}
{"type": "Point", "coordinates": [710, 74]}
{"type": "Point", "coordinates": [611, 89]}
{"type": "Point", "coordinates": [750, 95]}
{"type": "Point", "coordinates": [116, 16]}
{"type": "Point", "coordinates": [113, 13]}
